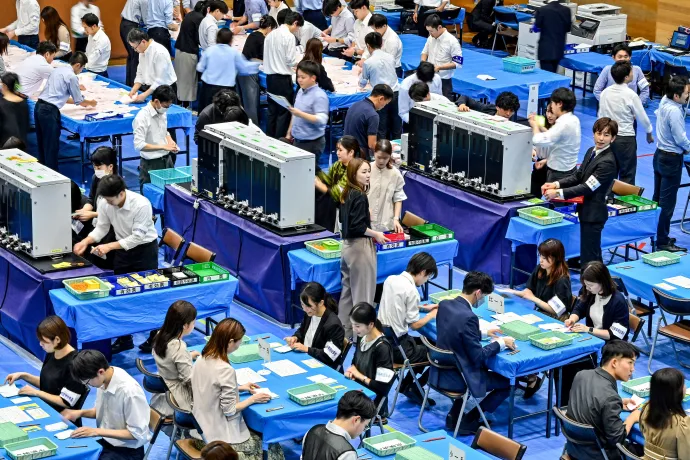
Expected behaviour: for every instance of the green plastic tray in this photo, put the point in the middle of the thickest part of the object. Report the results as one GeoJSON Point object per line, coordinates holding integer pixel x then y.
{"type": "Point", "coordinates": [296, 394]}
{"type": "Point", "coordinates": [11, 449]}
{"type": "Point", "coordinates": [416, 453]}
{"type": "Point", "coordinates": [370, 443]}
{"type": "Point", "coordinates": [630, 384]}
{"type": "Point", "coordinates": [661, 258]}
{"type": "Point", "coordinates": [327, 248]}
{"type": "Point", "coordinates": [434, 232]}
{"type": "Point", "coordinates": [245, 354]}
{"type": "Point", "coordinates": [104, 290]}
{"type": "Point", "coordinates": [209, 272]}
{"type": "Point", "coordinates": [565, 340]}
{"type": "Point", "coordinates": [11, 433]}
{"type": "Point", "coordinates": [519, 330]}
{"type": "Point", "coordinates": [444, 295]}
{"type": "Point", "coordinates": [552, 217]}
{"type": "Point", "coordinates": [642, 204]}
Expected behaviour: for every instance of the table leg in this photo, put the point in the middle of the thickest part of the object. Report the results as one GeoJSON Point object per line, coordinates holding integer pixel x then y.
{"type": "Point", "coordinates": [512, 267]}
{"type": "Point", "coordinates": [450, 276]}
{"type": "Point", "coordinates": [82, 149]}
{"type": "Point", "coordinates": [425, 291]}
{"type": "Point", "coordinates": [558, 398]}
{"type": "Point", "coordinates": [188, 148]}
{"type": "Point", "coordinates": [549, 403]}
{"type": "Point", "coordinates": [511, 407]}
{"type": "Point", "coordinates": [584, 84]}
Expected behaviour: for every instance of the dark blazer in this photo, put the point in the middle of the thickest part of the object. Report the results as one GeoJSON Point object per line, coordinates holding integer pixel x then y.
{"type": "Point", "coordinates": [330, 329]}
{"type": "Point", "coordinates": [489, 109]}
{"type": "Point", "coordinates": [458, 331]}
{"type": "Point", "coordinates": [602, 168]}
{"type": "Point", "coordinates": [484, 11]}
{"type": "Point", "coordinates": [554, 21]}
{"type": "Point", "coordinates": [616, 316]}
{"type": "Point", "coordinates": [324, 81]}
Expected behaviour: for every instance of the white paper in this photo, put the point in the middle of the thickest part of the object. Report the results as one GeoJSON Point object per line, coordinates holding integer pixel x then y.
{"type": "Point", "coordinates": [496, 303]}
{"type": "Point", "coordinates": [56, 426]}
{"type": "Point", "coordinates": [37, 413]}
{"type": "Point", "coordinates": [455, 453]}
{"type": "Point", "coordinates": [312, 363]}
{"type": "Point", "coordinates": [31, 450]}
{"type": "Point", "coordinates": [264, 350]}
{"type": "Point", "coordinates": [635, 402]}
{"type": "Point", "coordinates": [681, 281]}
{"type": "Point", "coordinates": [268, 392]}
{"type": "Point", "coordinates": [283, 349]}
{"type": "Point", "coordinates": [312, 394]}
{"type": "Point", "coordinates": [23, 399]}
{"type": "Point", "coordinates": [507, 317]}
{"type": "Point", "coordinates": [641, 387]}
{"type": "Point", "coordinates": [485, 77]}
{"type": "Point", "coordinates": [284, 368]}
{"type": "Point", "coordinates": [322, 379]}
{"type": "Point", "coordinates": [246, 375]}
{"type": "Point", "coordinates": [661, 259]}
{"type": "Point", "coordinates": [64, 434]}
{"type": "Point", "coordinates": [9, 391]}
{"type": "Point", "coordinates": [13, 414]}
{"type": "Point", "coordinates": [389, 444]}
{"type": "Point", "coordinates": [665, 286]}
{"type": "Point", "coordinates": [274, 345]}
{"type": "Point", "coordinates": [558, 327]}
{"type": "Point", "coordinates": [280, 100]}
{"type": "Point", "coordinates": [531, 319]}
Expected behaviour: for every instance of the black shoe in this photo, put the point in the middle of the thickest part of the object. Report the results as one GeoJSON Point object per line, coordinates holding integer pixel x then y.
{"type": "Point", "coordinates": [671, 247]}
{"type": "Point", "coordinates": [671, 241]}
{"type": "Point", "coordinates": [73, 137]}
{"type": "Point", "coordinates": [122, 344]}
{"type": "Point", "coordinates": [98, 140]}
{"type": "Point", "coordinates": [531, 391]}
{"type": "Point", "coordinates": [147, 346]}
{"type": "Point", "coordinates": [467, 427]}
{"type": "Point", "coordinates": [415, 397]}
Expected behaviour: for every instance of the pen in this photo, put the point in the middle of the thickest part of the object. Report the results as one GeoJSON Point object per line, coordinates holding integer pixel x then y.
{"type": "Point", "coordinates": [274, 408]}
{"type": "Point", "coordinates": [30, 425]}
{"type": "Point", "coordinates": [434, 439]}
{"type": "Point", "coordinates": [585, 339]}
{"type": "Point", "coordinates": [267, 337]}
{"type": "Point", "coordinates": [75, 447]}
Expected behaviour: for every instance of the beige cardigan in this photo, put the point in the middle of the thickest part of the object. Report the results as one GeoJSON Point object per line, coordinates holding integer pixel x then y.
{"type": "Point", "coordinates": [672, 443]}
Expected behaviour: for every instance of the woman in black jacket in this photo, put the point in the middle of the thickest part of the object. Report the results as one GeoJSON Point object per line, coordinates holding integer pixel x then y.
{"type": "Point", "coordinates": [321, 333]}
{"type": "Point", "coordinates": [314, 52]}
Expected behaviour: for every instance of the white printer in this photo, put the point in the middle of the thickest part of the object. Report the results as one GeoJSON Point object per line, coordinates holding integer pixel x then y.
{"type": "Point", "coordinates": [598, 24]}
{"type": "Point", "coordinates": [528, 41]}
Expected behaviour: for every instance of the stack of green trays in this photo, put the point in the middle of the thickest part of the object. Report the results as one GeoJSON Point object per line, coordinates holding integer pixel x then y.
{"type": "Point", "coordinates": [540, 215]}
{"type": "Point", "coordinates": [10, 433]}
{"type": "Point", "coordinates": [444, 295]}
{"type": "Point", "coordinates": [327, 248]}
{"type": "Point", "coordinates": [245, 354]}
{"type": "Point", "coordinates": [519, 330]}
{"type": "Point", "coordinates": [371, 443]}
{"type": "Point", "coordinates": [298, 394]}
{"type": "Point", "coordinates": [629, 386]}
{"type": "Point", "coordinates": [564, 341]}
{"type": "Point", "coordinates": [13, 449]}
{"type": "Point", "coordinates": [661, 258]}
{"type": "Point", "coordinates": [416, 453]}
{"type": "Point", "coordinates": [434, 232]}
{"type": "Point", "coordinates": [209, 272]}
{"type": "Point", "coordinates": [642, 204]}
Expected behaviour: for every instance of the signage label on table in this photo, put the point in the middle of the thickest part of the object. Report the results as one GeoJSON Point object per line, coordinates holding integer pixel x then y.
{"type": "Point", "coordinates": [265, 350]}
{"type": "Point", "coordinates": [455, 453]}
{"type": "Point", "coordinates": [331, 350]}
{"type": "Point", "coordinates": [496, 303]}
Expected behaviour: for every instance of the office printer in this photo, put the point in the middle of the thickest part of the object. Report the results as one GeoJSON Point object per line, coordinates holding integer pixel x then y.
{"type": "Point", "coordinates": [534, 4]}
{"type": "Point", "coordinates": [598, 24]}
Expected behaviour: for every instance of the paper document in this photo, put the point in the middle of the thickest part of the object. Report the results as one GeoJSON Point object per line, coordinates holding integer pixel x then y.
{"type": "Point", "coordinates": [681, 281]}
{"type": "Point", "coordinates": [531, 319]}
{"type": "Point", "coordinates": [9, 391]}
{"type": "Point", "coordinates": [313, 363]}
{"type": "Point", "coordinates": [284, 368]}
{"type": "Point", "coordinates": [23, 399]}
{"type": "Point", "coordinates": [13, 414]}
{"type": "Point", "coordinates": [246, 375]}
{"type": "Point", "coordinates": [37, 413]}
{"type": "Point", "coordinates": [665, 286]}
{"type": "Point", "coordinates": [556, 327]}
{"type": "Point", "coordinates": [280, 100]}
{"type": "Point", "coordinates": [57, 426]}
{"type": "Point", "coordinates": [635, 402]}
{"type": "Point", "coordinates": [268, 392]}
{"type": "Point", "coordinates": [485, 77]}
{"type": "Point", "coordinates": [64, 434]}
{"type": "Point", "coordinates": [273, 344]}
{"type": "Point", "coordinates": [322, 379]}
{"type": "Point", "coordinates": [283, 349]}
{"type": "Point", "coordinates": [507, 317]}
{"type": "Point", "coordinates": [641, 387]}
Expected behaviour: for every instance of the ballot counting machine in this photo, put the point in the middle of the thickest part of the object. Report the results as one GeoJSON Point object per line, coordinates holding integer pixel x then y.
{"type": "Point", "coordinates": [598, 24]}
{"type": "Point", "coordinates": [487, 155]}
{"type": "Point", "coordinates": [266, 180]}
{"type": "Point", "coordinates": [35, 206]}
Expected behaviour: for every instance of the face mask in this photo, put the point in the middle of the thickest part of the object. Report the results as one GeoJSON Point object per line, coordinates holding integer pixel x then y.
{"type": "Point", "coordinates": [100, 173]}
{"type": "Point", "coordinates": [480, 303]}
{"type": "Point", "coordinates": [162, 110]}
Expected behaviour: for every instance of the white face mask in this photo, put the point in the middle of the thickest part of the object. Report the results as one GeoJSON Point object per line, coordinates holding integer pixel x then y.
{"type": "Point", "coordinates": [162, 110]}
{"type": "Point", "coordinates": [100, 173]}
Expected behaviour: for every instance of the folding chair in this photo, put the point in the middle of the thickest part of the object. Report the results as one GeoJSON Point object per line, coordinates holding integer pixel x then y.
{"type": "Point", "coordinates": [399, 369]}
{"type": "Point", "coordinates": [198, 253]}
{"type": "Point", "coordinates": [180, 422]}
{"type": "Point", "coordinates": [678, 331]}
{"type": "Point", "coordinates": [507, 24]}
{"type": "Point", "coordinates": [174, 241]}
{"type": "Point", "coordinates": [577, 433]}
{"type": "Point", "coordinates": [154, 384]}
{"type": "Point", "coordinates": [376, 420]}
{"type": "Point", "coordinates": [685, 211]}
{"type": "Point", "coordinates": [620, 188]}
{"type": "Point", "coordinates": [636, 307]}
{"type": "Point", "coordinates": [636, 325]}
{"type": "Point", "coordinates": [627, 455]}
{"type": "Point", "coordinates": [498, 445]}
{"type": "Point", "coordinates": [347, 345]}
{"type": "Point", "coordinates": [456, 19]}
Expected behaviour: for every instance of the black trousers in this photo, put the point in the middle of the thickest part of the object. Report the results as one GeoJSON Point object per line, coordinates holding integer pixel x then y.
{"type": "Point", "coordinates": [207, 92]}
{"type": "Point", "coordinates": [569, 372]}
{"type": "Point", "coordinates": [625, 150]}
{"type": "Point", "coordinates": [138, 259]}
{"type": "Point", "coordinates": [161, 35]}
{"type": "Point", "coordinates": [484, 30]}
{"type": "Point", "coordinates": [553, 175]}
{"type": "Point", "coordinates": [314, 146]}
{"type": "Point", "coordinates": [337, 53]}
{"type": "Point", "coordinates": [28, 40]}
{"type": "Point", "coordinates": [590, 242]}
{"type": "Point", "coordinates": [111, 452]}
{"type": "Point", "coordinates": [390, 123]}
{"type": "Point", "coordinates": [549, 65]}
{"type": "Point", "coordinates": [48, 124]}
{"type": "Point", "coordinates": [668, 171]}
{"type": "Point", "coordinates": [80, 44]}
{"type": "Point", "coordinates": [132, 56]}
{"type": "Point", "coordinates": [447, 87]}
{"type": "Point", "coordinates": [278, 117]}
{"type": "Point", "coordinates": [103, 74]}
{"type": "Point", "coordinates": [421, 17]}
{"type": "Point", "coordinates": [317, 18]}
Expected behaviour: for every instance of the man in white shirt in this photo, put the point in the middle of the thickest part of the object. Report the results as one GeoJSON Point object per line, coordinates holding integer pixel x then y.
{"type": "Point", "coordinates": [425, 74]}
{"type": "Point", "coordinates": [208, 29]}
{"type": "Point", "coordinates": [280, 56]}
{"type": "Point", "coordinates": [620, 103]}
{"type": "Point", "coordinates": [25, 28]}
{"type": "Point", "coordinates": [155, 67]}
{"type": "Point", "coordinates": [360, 8]}
{"type": "Point", "coordinates": [391, 42]}
{"type": "Point", "coordinates": [98, 47]}
{"type": "Point", "coordinates": [131, 17]}
{"type": "Point", "coordinates": [34, 70]}
{"type": "Point", "coordinates": [443, 50]}
{"type": "Point", "coordinates": [122, 413]}
{"type": "Point", "coordinates": [341, 33]}
{"type": "Point", "coordinates": [422, 10]}
{"type": "Point", "coordinates": [563, 138]}
{"type": "Point", "coordinates": [307, 32]}
{"type": "Point", "coordinates": [78, 11]}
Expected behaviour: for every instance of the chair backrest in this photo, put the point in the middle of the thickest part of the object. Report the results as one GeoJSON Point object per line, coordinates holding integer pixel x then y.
{"type": "Point", "coordinates": [152, 382]}
{"type": "Point", "coordinates": [347, 345]}
{"type": "Point", "coordinates": [506, 18]}
{"type": "Point", "coordinates": [620, 285]}
{"type": "Point", "coordinates": [438, 357]}
{"type": "Point", "coordinates": [636, 324]}
{"type": "Point", "coordinates": [154, 418]}
{"type": "Point", "coordinates": [390, 335]}
{"type": "Point", "coordinates": [457, 18]}
{"type": "Point", "coordinates": [672, 305]}
{"type": "Point", "coordinates": [623, 188]}
{"type": "Point", "coordinates": [410, 220]}
{"type": "Point", "coordinates": [627, 455]}
{"type": "Point", "coordinates": [198, 253]}
{"type": "Point", "coordinates": [171, 400]}
{"type": "Point", "coordinates": [498, 445]}
{"type": "Point", "coordinates": [577, 433]}
{"type": "Point", "coordinates": [672, 69]}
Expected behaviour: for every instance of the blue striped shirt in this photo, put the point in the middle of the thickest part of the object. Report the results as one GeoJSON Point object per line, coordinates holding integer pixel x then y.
{"type": "Point", "coordinates": [670, 128]}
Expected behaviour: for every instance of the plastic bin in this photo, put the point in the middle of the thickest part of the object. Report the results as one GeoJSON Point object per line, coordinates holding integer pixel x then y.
{"type": "Point", "coordinates": [629, 386]}
{"type": "Point", "coordinates": [301, 397]}
{"type": "Point", "coordinates": [444, 295]}
{"type": "Point", "coordinates": [245, 354]}
{"type": "Point", "coordinates": [538, 340]}
{"type": "Point", "coordinates": [416, 240]}
{"type": "Point", "coordinates": [209, 272]}
{"type": "Point", "coordinates": [185, 170]}
{"type": "Point", "coordinates": [327, 248]}
{"type": "Point", "coordinates": [661, 258]}
{"type": "Point", "coordinates": [642, 204]}
{"type": "Point", "coordinates": [102, 291]}
{"type": "Point", "coordinates": [11, 433]}
{"type": "Point", "coordinates": [520, 330]}
{"type": "Point", "coordinates": [434, 232]}
{"type": "Point", "coordinates": [119, 289]}
{"type": "Point", "coordinates": [162, 177]}
{"type": "Point", "coordinates": [13, 450]}
{"type": "Point", "coordinates": [405, 442]}
{"type": "Point", "coordinates": [518, 64]}
{"type": "Point", "coordinates": [179, 276]}
{"type": "Point", "coordinates": [397, 241]}
{"type": "Point", "coordinates": [618, 208]}
{"type": "Point", "coordinates": [140, 277]}
{"type": "Point", "coordinates": [416, 453]}
{"type": "Point", "coordinates": [540, 215]}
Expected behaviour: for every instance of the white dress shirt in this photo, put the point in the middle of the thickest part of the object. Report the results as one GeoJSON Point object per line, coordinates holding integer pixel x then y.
{"type": "Point", "coordinates": [123, 406]}
{"type": "Point", "coordinates": [133, 222]}
{"type": "Point", "coordinates": [280, 52]}
{"type": "Point", "coordinates": [443, 50]}
{"type": "Point", "coordinates": [564, 141]}
{"type": "Point", "coordinates": [342, 26]}
{"type": "Point", "coordinates": [620, 103]}
{"type": "Point", "coordinates": [62, 85]}
{"type": "Point", "coordinates": [307, 32]}
{"type": "Point", "coordinates": [335, 429]}
{"type": "Point", "coordinates": [150, 127]}
{"type": "Point", "coordinates": [379, 69]}
{"type": "Point", "coordinates": [98, 52]}
{"type": "Point", "coordinates": [155, 67]}
{"type": "Point", "coordinates": [399, 305]}
{"type": "Point", "coordinates": [208, 31]}
{"type": "Point", "coordinates": [32, 73]}
{"type": "Point", "coordinates": [405, 104]}
{"type": "Point", "coordinates": [311, 331]}
{"type": "Point", "coordinates": [596, 311]}
{"type": "Point", "coordinates": [28, 18]}
{"type": "Point", "coordinates": [430, 3]}
{"type": "Point", "coordinates": [391, 45]}
{"type": "Point", "coordinates": [361, 29]}
{"type": "Point", "coordinates": [273, 12]}
{"type": "Point", "coordinates": [134, 11]}
{"type": "Point", "coordinates": [77, 12]}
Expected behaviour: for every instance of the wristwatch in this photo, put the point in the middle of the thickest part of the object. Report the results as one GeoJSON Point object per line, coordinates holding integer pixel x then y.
{"type": "Point", "coordinates": [591, 329]}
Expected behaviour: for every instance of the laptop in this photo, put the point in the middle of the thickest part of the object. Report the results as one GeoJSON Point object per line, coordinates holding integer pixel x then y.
{"type": "Point", "coordinates": [680, 41]}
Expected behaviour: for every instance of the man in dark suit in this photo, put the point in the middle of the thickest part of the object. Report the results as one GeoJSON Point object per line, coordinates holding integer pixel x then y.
{"type": "Point", "coordinates": [553, 20]}
{"type": "Point", "coordinates": [506, 105]}
{"type": "Point", "coordinates": [481, 20]}
{"type": "Point", "coordinates": [458, 331]}
{"type": "Point", "coordinates": [592, 180]}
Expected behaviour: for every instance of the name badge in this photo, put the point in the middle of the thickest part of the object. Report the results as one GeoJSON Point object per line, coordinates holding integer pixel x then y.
{"type": "Point", "coordinates": [557, 305]}
{"type": "Point", "coordinates": [619, 330]}
{"type": "Point", "coordinates": [384, 375]}
{"type": "Point", "coordinates": [458, 59]}
{"type": "Point", "coordinates": [332, 351]}
{"type": "Point", "coordinates": [256, 17]}
{"type": "Point", "coordinates": [64, 46]}
{"type": "Point", "coordinates": [592, 183]}
{"type": "Point", "coordinates": [69, 396]}
{"type": "Point", "coordinates": [642, 84]}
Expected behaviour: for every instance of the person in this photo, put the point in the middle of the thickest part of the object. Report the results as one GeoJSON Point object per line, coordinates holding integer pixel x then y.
{"type": "Point", "coordinates": [122, 413]}
{"type": "Point", "coordinates": [391, 42]}
{"type": "Point", "coordinates": [331, 183]}
{"type": "Point", "coordinates": [55, 384]}
{"type": "Point", "coordinates": [4, 51]}
{"type": "Point", "coordinates": [553, 21]}
{"type": "Point", "coordinates": [159, 22]}
{"type": "Point", "coordinates": [154, 69]}
{"type": "Point", "coordinates": [132, 15]}
{"type": "Point", "coordinates": [25, 28]}
{"type": "Point", "coordinates": [458, 330]}
{"type": "Point", "coordinates": [540, 155]}
{"type": "Point", "coordinates": [216, 394]}
{"type": "Point", "coordinates": [57, 33]}
{"type": "Point", "coordinates": [276, 7]}
{"type": "Point", "coordinates": [151, 138]}
{"type": "Point", "coordinates": [372, 363]}
{"type": "Point", "coordinates": [14, 143]}
{"type": "Point", "coordinates": [663, 420]}
{"type": "Point", "coordinates": [321, 334]}
{"type": "Point", "coordinates": [361, 28]}
{"type": "Point", "coordinates": [399, 310]}
{"type": "Point", "coordinates": [424, 73]}
{"type": "Point", "coordinates": [341, 33]}
{"type": "Point", "coordinates": [237, 113]}
{"type": "Point", "coordinates": [443, 50]}
{"type": "Point", "coordinates": [77, 12]}
{"type": "Point", "coordinates": [62, 85]}
{"type": "Point", "coordinates": [331, 441]}
{"type": "Point", "coordinates": [672, 144]}
{"type": "Point", "coordinates": [219, 66]}
{"type": "Point", "coordinates": [362, 119]}
{"type": "Point", "coordinates": [35, 69]}
{"type": "Point", "coordinates": [594, 400]}
{"type": "Point", "coordinates": [208, 29]}
{"type": "Point", "coordinates": [639, 83]}
{"type": "Point", "coordinates": [507, 104]}
{"type": "Point", "coordinates": [310, 112]}
{"type": "Point", "coordinates": [187, 56]}
{"type": "Point", "coordinates": [592, 180]}
{"type": "Point", "coordinates": [254, 10]}
{"type": "Point", "coordinates": [14, 109]}
{"type": "Point", "coordinates": [481, 20]}
{"type": "Point", "coordinates": [378, 69]}
{"type": "Point", "coordinates": [549, 284]}
{"type": "Point", "coordinates": [216, 112]}
{"type": "Point", "coordinates": [358, 259]}
{"type": "Point", "coordinates": [620, 103]}
{"type": "Point", "coordinates": [423, 9]}
{"type": "Point", "coordinates": [419, 92]}
{"type": "Point", "coordinates": [97, 47]}
{"type": "Point", "coordinates": [312, 11]}
{"type": "Point", "coordinates": [254, 51]}
{"type": "Point", "coordinates": [563, 139]}
{"type": "Point", "coordinates": [219, 450]}
{"type": "Point", "coordinates": [314, 52]}
{"type": "Point", "coordinates": [173, 360]}
{"type": "Point", "coordinates": [386, 193]}
{"type": "Point", "coordinates": [280, 56]}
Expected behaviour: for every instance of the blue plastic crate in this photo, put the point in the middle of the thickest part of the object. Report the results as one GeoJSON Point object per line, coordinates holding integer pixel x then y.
{"type": "Point", "coordinates": [102, 116]}
{"type": "Point", "coordinates": [162, 177]}
{"type": "Point", "coordinates": [118, 289]}
{"type": "Point", "coordinates": [185, 170]}
{"type": "Point", "coordinates": [517, 64]}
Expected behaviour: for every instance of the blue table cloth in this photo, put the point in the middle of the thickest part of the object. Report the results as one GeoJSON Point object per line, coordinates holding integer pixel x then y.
{"type": "Point", "coordinates": [586, 62]}
{"type": "Point", "coordinates": [293, 420]}
{"type": "Point", "coordinates": [155, 196]}
{"type": "Point", "coordinates": [465, 80]}
{"type": "Point", "coordinates": [659, 58]}
{"type": "Point", "coordinates": [11, 362]}
{"type": "Point", "coordinates": [521, 17]}
{"type": "Point", "coordinates": [394, 19]}
{"type": "Point", "coordinates": [439, 447]}
{"type": "Point", "coordinates": [641, 278]}
{"type": "Point", "coordinates": [617, 231]}
{"type": "Point", "coordinates": [306, 266]}
{"type": "Point", "coordinates": [114, 316]}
